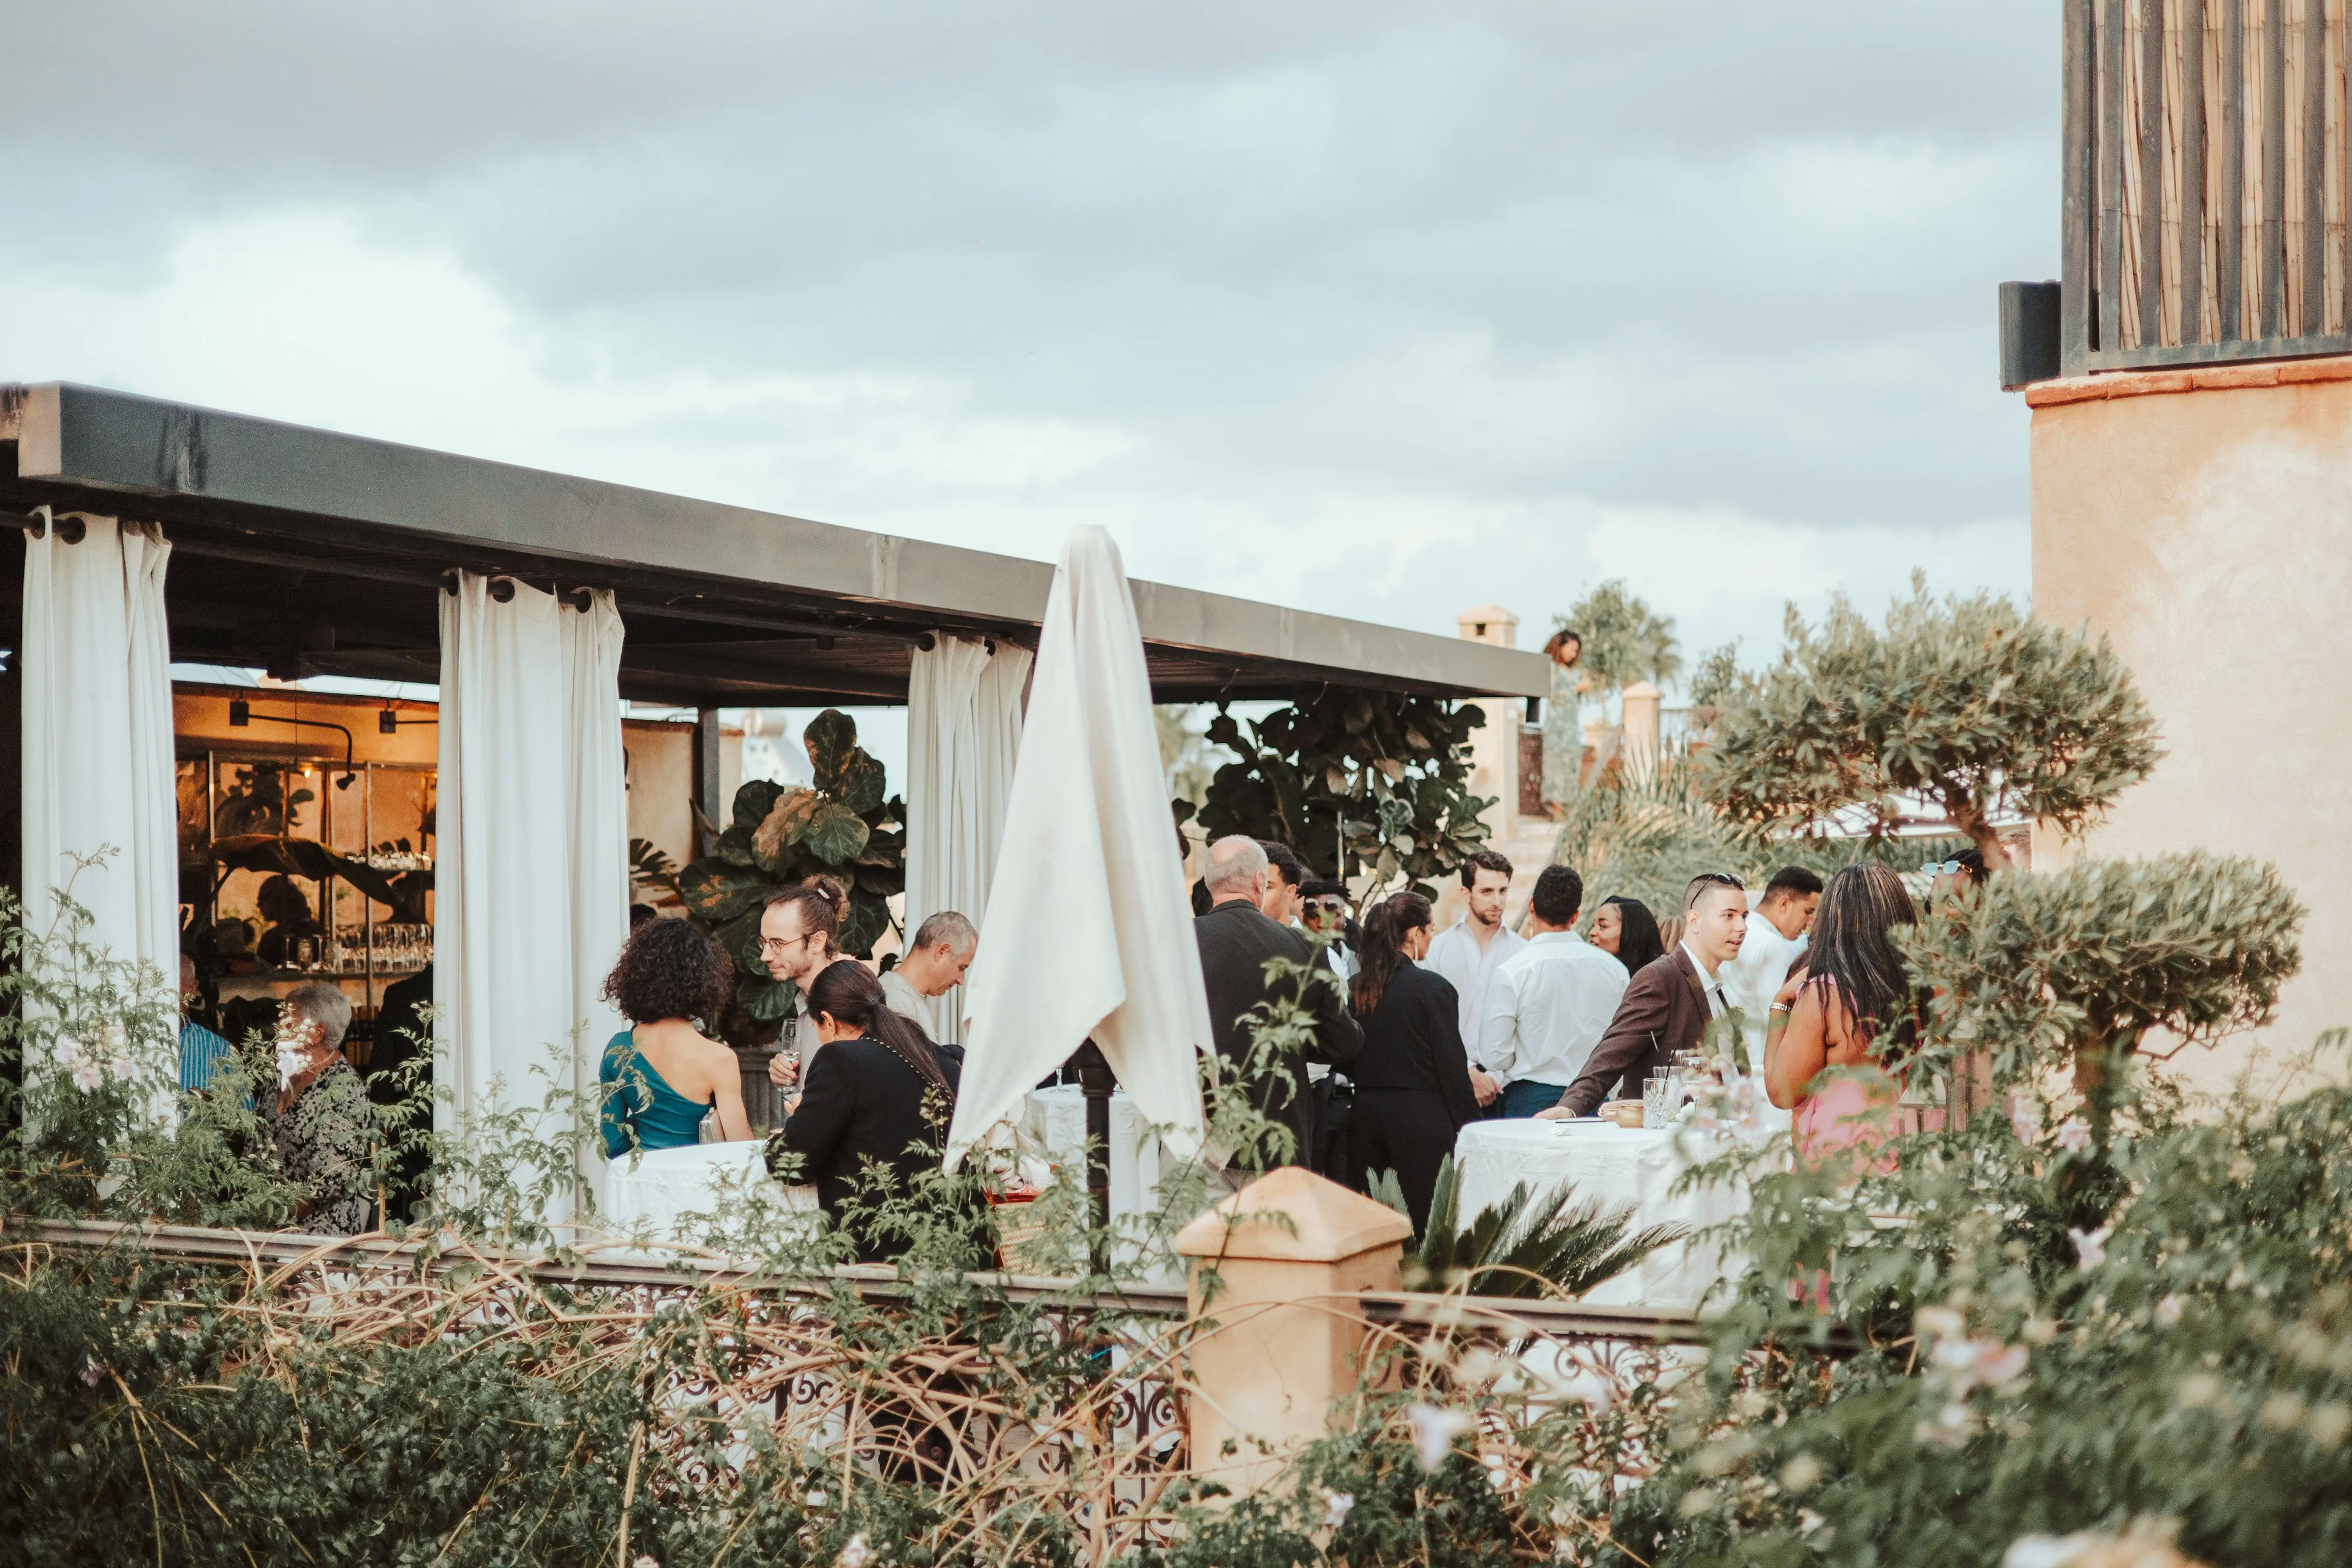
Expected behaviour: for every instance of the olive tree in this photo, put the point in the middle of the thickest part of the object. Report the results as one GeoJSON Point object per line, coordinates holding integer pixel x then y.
{"type": "Point", "coordinates": [1967, 705]}
{"type": "Point", "coordinates": [2083, 962]}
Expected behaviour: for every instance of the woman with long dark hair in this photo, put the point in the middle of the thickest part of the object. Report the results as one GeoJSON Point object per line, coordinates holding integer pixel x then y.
{"type": "Point", "coordinates": [875, 1113]}
{"type": "Point", "coordinates": [1626, 929]}
{"type": "Point", "coordinates": [1413, 1080]}
{"type": "Point", "coordinates": [1854, 1009]}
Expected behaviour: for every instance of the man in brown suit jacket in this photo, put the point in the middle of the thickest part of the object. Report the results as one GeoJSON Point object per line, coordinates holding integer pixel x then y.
{"type": "Point", "coordinates": [1668, 1005]}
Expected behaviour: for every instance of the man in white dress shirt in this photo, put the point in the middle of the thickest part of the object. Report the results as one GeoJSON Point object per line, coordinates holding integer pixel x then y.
{"type": "Point", "coordinates": [1776, 938]}
{"type": "Point", "coordinates": [1469, 951]}
{"type": "Point", "coordinates": [1549, 1002]}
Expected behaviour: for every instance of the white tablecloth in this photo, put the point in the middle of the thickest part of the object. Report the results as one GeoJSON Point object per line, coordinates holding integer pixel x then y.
{"type": "Point", "coordinates": [659, 1185]}
{"type": "Point", "coordinates": [1618, 1167]}
{"type": "Point", "coordinates": [1055, 1122]}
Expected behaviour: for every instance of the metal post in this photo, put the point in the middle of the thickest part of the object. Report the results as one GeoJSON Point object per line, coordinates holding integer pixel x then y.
{"type": "Point", "coordinates": [707, 785]}
{"type": "Point", "coordinates": [1096, 1082]}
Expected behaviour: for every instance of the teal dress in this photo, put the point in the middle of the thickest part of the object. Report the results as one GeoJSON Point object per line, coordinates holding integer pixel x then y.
{"type": "Point", "coordinates": [638, 1100]}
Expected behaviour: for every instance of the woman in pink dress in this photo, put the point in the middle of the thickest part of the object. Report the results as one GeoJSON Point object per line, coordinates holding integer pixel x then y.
{"type": "Point", "coordinates": [1851, 1009]}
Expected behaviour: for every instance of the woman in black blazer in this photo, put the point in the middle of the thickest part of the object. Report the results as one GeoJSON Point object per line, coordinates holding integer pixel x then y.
{"type": "Point", "coordinates": [872, 1112]}
{"type": "Point", "coordinates": [1413, 1080]}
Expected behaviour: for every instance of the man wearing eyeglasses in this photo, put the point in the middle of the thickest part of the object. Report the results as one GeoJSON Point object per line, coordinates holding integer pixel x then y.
{"type": "Point", "coordinates": [1667, 1007]}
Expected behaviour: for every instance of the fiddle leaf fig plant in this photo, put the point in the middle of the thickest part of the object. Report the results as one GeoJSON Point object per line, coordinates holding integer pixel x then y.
{"type": "Point", "coordinates": [1354, 779]}
{"type": "Point", "coordinates": [841, 826]}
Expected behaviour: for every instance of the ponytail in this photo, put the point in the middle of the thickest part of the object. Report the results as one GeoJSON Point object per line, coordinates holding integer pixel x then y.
{"type": "Point", "coordinates": [846, 991]}
{"type": "Point", "coordinates": [1380, 953]}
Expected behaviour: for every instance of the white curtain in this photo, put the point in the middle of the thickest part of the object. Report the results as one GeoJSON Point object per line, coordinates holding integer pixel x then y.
{"type": "Point", "coordinates": [963, 734]}
{"type": "Point", "coordinates": [1090, 931]}
{"type": "Point", "coordinates": [530, 887]}
{"type": "Point", "coordinates": [99, 772]}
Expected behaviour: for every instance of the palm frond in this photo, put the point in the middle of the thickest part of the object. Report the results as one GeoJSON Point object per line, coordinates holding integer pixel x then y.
{"type": "Point", "coordinates": [1527, 1245]}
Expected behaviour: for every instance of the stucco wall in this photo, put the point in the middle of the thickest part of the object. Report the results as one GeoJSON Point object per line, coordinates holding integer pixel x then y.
{"type": "Point", "coordinates": [2204, 520]}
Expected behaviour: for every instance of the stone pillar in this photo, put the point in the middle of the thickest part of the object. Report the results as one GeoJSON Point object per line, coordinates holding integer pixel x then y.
{"type": "Point", "coordinates": [1495, 745]}
{"type": "Point", "coordinates": [1275, 1272]}
{"type": "Point", "coordinates": [1641, 742]}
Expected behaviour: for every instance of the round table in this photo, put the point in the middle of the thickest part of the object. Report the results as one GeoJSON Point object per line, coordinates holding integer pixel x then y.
{"type": "Point", "coordinates": [660, 1185]}
{"type": "Point", "coordinates": [1619, 1166]}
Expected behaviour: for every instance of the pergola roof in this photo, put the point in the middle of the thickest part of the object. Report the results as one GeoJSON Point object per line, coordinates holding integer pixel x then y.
{"type": "Point", "coordinates": [294, 544]}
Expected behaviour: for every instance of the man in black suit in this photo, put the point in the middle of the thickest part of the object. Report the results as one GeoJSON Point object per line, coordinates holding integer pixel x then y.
{"type": "Point", "coordinates": [1236, 941]}
{"type": "Point", "coordinates": [1667, 1007]}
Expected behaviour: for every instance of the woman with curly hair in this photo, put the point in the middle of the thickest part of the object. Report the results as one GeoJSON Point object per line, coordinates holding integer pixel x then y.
{"type": "Point", "coordinates": [663, 1076]}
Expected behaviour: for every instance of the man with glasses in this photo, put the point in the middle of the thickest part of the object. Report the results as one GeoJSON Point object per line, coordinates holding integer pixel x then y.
{"type": "Point", "coordinates": [796, 933]}
{"type": "Point", "coordinates": [1668, 1005]}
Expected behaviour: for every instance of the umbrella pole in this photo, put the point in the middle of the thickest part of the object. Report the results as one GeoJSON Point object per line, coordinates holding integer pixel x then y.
{"type": "Point", "coordinates": [1095, 1083]}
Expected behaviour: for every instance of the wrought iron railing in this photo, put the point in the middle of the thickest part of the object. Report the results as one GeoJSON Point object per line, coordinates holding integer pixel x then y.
{"type": "Point", "coordinates": [2206, 183]}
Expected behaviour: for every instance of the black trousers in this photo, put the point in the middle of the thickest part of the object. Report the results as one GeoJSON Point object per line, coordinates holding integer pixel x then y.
{"type": "Point", "coordinates": [1408, 1131]}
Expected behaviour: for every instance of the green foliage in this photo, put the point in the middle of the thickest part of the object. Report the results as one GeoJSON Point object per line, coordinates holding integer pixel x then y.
{"type": "Point", "coordinates": [2078, 964]}
{"type": "Point", "coordinates": [1527, 1245]}
{"type": "Point", "coordinates": [1968, 704]}
{"type": "Point", "coordinates": [1354, 779]}
{"type": "Point", "coordinates": [842, 827]}
{"type": "Point", "coordinates": [1625, 641]}
{"type": "Point", "coordinates": [1718, 680]}
{"type": "Point", "coordinates": [1644, 834]}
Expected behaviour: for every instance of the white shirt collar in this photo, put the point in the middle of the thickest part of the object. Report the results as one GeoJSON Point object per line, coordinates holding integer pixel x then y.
{"type": "Point", "coordinates": [1706, 976]}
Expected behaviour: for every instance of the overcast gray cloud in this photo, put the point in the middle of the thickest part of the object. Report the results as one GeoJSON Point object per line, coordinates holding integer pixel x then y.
{"type": "Point", "coordinates": [1383, 309]}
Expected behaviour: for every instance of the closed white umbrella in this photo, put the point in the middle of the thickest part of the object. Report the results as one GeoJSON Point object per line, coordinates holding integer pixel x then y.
{"type": "Point", "coordinates": [1088, 931]}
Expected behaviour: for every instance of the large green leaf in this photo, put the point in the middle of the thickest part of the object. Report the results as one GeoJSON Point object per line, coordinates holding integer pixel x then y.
{"type": "Point", "coordinates": [831, 738]}
{"type": "Point", "coordinates": [783, 828]}
{"type": "Point", "coordinates": [861, 783]}
{"type": "Point", "coordinates": [734, 846]}
{"type": "Point", "coordinates": [715, 892]}
{"type": "Point", "coordinates": [765, 1000]}
{"type": "Point", "coordinates": [837, 835]}
{"type": "Point", "coordinates": [867, 918]}
{"type": "Point", "coordinates": [740, 938]}
{"type": "Point", "coordinates": [754, 800]}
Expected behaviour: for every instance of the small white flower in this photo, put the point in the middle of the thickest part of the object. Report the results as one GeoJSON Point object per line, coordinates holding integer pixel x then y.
{"type": "Point", "coordinates": [855, 1553]}
{"type": "Point", "coordinates": [1953, 1356]}
{"type": "Point", "coordinates": [1808, 1522]}
{"type": "Point", "coordinates": [2046, 1550]}
{"type": "Point", "coordinates": [1336, 1506]}
{"type": "Point", "coordinates": [2167, 1311]}
{"type": "Point", "coordinates": [817, 1497]}
{"type": "Point", "coordinates": [1941, 1321]}
{"type": "Point", "coordinates": [2090, 1246]}
{"type": "Point", "coordinates": [122, 1069]}
{"type": "Point", "coordinates": [644, 1561]}
{"type": "Point", "coordinates": [1997, 1363]}
{"type": "Point", "coordinates": [112, 1040]}
{"type": "Point", "coordinates": [2074, 1135]}
{"type": "Point", "coordinates": [1434, 1431]}
{"type": "Point", "coordinates": [93, 1373]}
{"type": "Point", "coordinates": [87, 1075]}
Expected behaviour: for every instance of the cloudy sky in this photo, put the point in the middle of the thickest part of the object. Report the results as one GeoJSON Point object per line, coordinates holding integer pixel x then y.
{"type": "Point", "coordinates": [1380, 309]}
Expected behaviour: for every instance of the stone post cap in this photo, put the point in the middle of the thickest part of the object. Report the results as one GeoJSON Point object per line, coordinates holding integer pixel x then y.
{"type": "Point", "coordinates": [1641, 689]}
{"type": "Point", "coordinates": [1327, 1222]}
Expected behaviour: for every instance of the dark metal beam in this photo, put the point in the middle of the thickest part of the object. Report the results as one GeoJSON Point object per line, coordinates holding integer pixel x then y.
{"type": "Point", "coordinates": [347, 497]}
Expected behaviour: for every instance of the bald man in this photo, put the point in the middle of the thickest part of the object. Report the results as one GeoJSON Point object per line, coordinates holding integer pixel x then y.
{"type": "Point", "coordinates": [1236, 940]}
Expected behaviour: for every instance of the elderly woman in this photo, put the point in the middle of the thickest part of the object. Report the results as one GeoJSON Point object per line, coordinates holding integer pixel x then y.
{"type": "Point", "coordinates": [317, 1120]}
